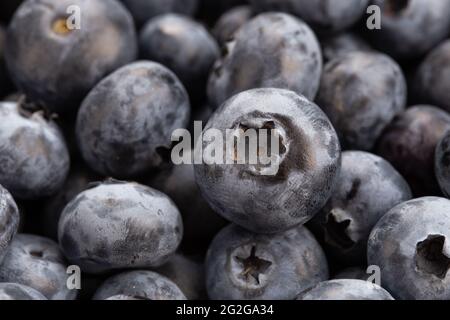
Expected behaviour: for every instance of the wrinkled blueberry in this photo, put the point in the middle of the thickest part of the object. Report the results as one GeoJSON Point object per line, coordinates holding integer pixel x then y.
{"type": "Point", "coordinates": [361, 92]}
{"type": "Point", "coordinates": [409, 144]}
{"type": "Point", "coordinates": [125, 124]}
{"type": "Point", "coordinates": [245, 265]}
{"type": "Point", "coordinates": [9, 220]}
{"type": "Point", "coordinates": [57, 65]}
{"type": "Point", "coordinates": [15, 291]}
{"type": "Point", "coordinates": [368, 187]}
{"type": "Point", "coordinates": [142, 11]}
{"type": "Point", "coordinates": [272, 50]}
{"type": "Point", "coordinates": [298, 181]}
{"type": "Point", "coordinates": [409, 28]}
{"type": "Point", "coordinates": [34, 160]}
{"type": "Point", "coordinates": [119, 225]}
{"type": "Point", "coordinates": [187, 274]}
{"type": "Point", "coordinates": [38, 263]}
{"type": "Point", "coordinates": [442, 164]}
{"type": "Point", "coordinates": [230, 22]}
{"type": "Point", "coordinates": [432, 84]}
{"type": "Point", "coordinates": [139, 285]}
{"type": "Point", "coordinates": [410, 245]}
{"type": "Point", "coordinates": [184, 46]}
{"type": "Point", "coordinates": [322, 15]}
{"type": "Point", "coordinates": [341, 44]}
{"type": "Point", "coordinates": [346, 289]}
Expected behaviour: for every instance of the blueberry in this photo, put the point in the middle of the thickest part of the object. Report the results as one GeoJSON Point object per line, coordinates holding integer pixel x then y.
{"type": "Point", "coordinates": [9, 220]}
{"type": "Point", "coordinates": [442, 164]}
{"type": "Point", "coordinates": [322, 15]}
{"type": "Point", "coordinates": [37, 262]}
{"type": "Point", "coordinates": [355, 273]}
{"type": "Point", "coordinates": [140, 285]}
{"type": "Point", "coordinates": [431, 83]}
{"type": "Point", "coordinates": [34, 157]}
{"type": "Point", "coordinates": [298, 182]}
{"type": "Point", "coordinates": [179, 184]}
{"type": "Point", "coordinates": [410, 245]}
{"type": "Point", "coordinates": [341, 44]}
{"type": "Point", "coordinates": [184, 46]}
{"type": "Point", "coordinates": [410, 28]}
{"type": "Point", "coordinates": [230, 22]}
{"type": "Point", "coordinates": [142, 11]}
{"type": "Point", "coordinates": [368, 186]}
{"type": "Point", "coordinates": [346, 289]}
{"type": "Point", "coordinates": [409, 144]}
{"type": "Point", "coordinates": [245, 265]}
{"type": "Point", "coordinates": [119, 225]}
{"type": "Point", "coordinates": [125, 123]}
{"type": "Point", "coordinates": [56, 65]}
{"type": "Point", "coordinates": [15, 291]}
{"type": "Point", "coordinates": [271, 50]}
{"type": "Point", "coordinates": [187, 274]}
{"type": "Point", "coordinates": [361, 92]}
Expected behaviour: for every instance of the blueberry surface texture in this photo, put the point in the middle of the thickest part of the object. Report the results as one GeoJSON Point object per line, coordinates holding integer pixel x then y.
{"type": "Point", "coordinates": [118, 225]}
{"type": "Point", "coordinates": [56, 64]}
{"type": "Point", "coordinates": [9, 220]}
{"type": "Point", "coordinates": [242, 265]}
{"type": "Point", "coordinates": [125, 124]}
{"type": "Point", "coordinates": [272, 199]}
{"type": "Point", "coordinates": [15, 291]}
{"type": "Point", "coordinates": [272, 50]}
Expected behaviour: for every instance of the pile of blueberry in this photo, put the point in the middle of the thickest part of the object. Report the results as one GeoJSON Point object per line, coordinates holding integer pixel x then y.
{"type": "Point", "coordinates": [92, 205]}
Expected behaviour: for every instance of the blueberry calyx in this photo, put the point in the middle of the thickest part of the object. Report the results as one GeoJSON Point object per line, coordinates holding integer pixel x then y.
{"type": "Point", "coordinates": [432, 257]}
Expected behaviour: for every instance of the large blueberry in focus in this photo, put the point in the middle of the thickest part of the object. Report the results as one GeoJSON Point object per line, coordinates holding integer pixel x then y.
{"type": "Point", "coordinates": [124, 125]}
{"type": "Point", "coordinates": [9, 220]}
{"type": "Point", "coordinates": [297, 181]}
{"type": "Point", "coordinates": [273, 50]}
{"type": "Point", "coordinates": [244, 265]}
{"type": "Point", "coordinates": [37, 262]}
{"type": "Point", "coordinates": [142, 11]}
{"type": "Point", "coordinates": [56, 64]}
{"type": "Point", "coordinates": [442, 163]}
{"type": "Point", "coordinates": [34, 160]}
{"type": "Point", "coordinates": [322, 15]}
{"type": "Point", "coordinates": [139, 285]}
{"type": "Point", "coordinates": [411, 246]}
{"type": "Point", "coordinates": [119, 225]}
{"type": "Point", "coordinates": [15, 291]}
{"type": "Point", "coordinates": [361, 92]}
{"type": "Point", "coordinates": [410, 28]}
{"type": "Point", "coordinates": [368, 187]}
{"type": "Point", "coordinates": [409, 144]}
{"type": "Point", "coordinates": [346, 289]}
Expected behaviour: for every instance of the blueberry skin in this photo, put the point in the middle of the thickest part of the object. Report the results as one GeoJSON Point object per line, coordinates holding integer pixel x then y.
{"type": "Point", "coordinates": [129, 117]}
{"type": "Point", "coordinates": [34, 158]}
{"type": "Point", "coordinates": [361, 92]}
{"type": "Point", "coordinates": [119, 225]}
{"type": "Point", "coordinates": [355, 273]}
{"type": "Point", "coordinates": [432, 84]}
{"type": "Point", "coordinates": [9, 220]}
{"type": "Point", "coordinates": [442, 164]}
{"type": "Point", "coordinates": [346, 289]}
{"type": "Point", "coordinates": [230, 22]}
{"type": "Point", "coordinates": [324, 16]}
{"type": "Point", "coordinates": [271, 50]}
{"type": "Point", "coordinates": [143, 11]}
{"type": "Point", "coordinates": [368, 187]}
{"type": "Point", "coordinates": [241, 265]}
{"type": "Point", "coordinates": [38, 263]}
{"type": "Point", "coordinates": [410, 245]}
{"type": "Point", "coordinates": [15, 291]}
{"type": "Point", "coordinates": [56, 66]}
{"type": "Point", "coordinates": [308, 165]}
{"type": "Point", "coordinates": [140, 285]}
{"type": "Point", "coordinates": [187, 274]}
{"type": "Point", "coordinates": [341, 44]}
{"type": "Point", "coordinates": [184, 46]}
{"type": "Point", "coordinates": [407, 31]}
{"type": "Point", "coordinates": [409, 144]}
